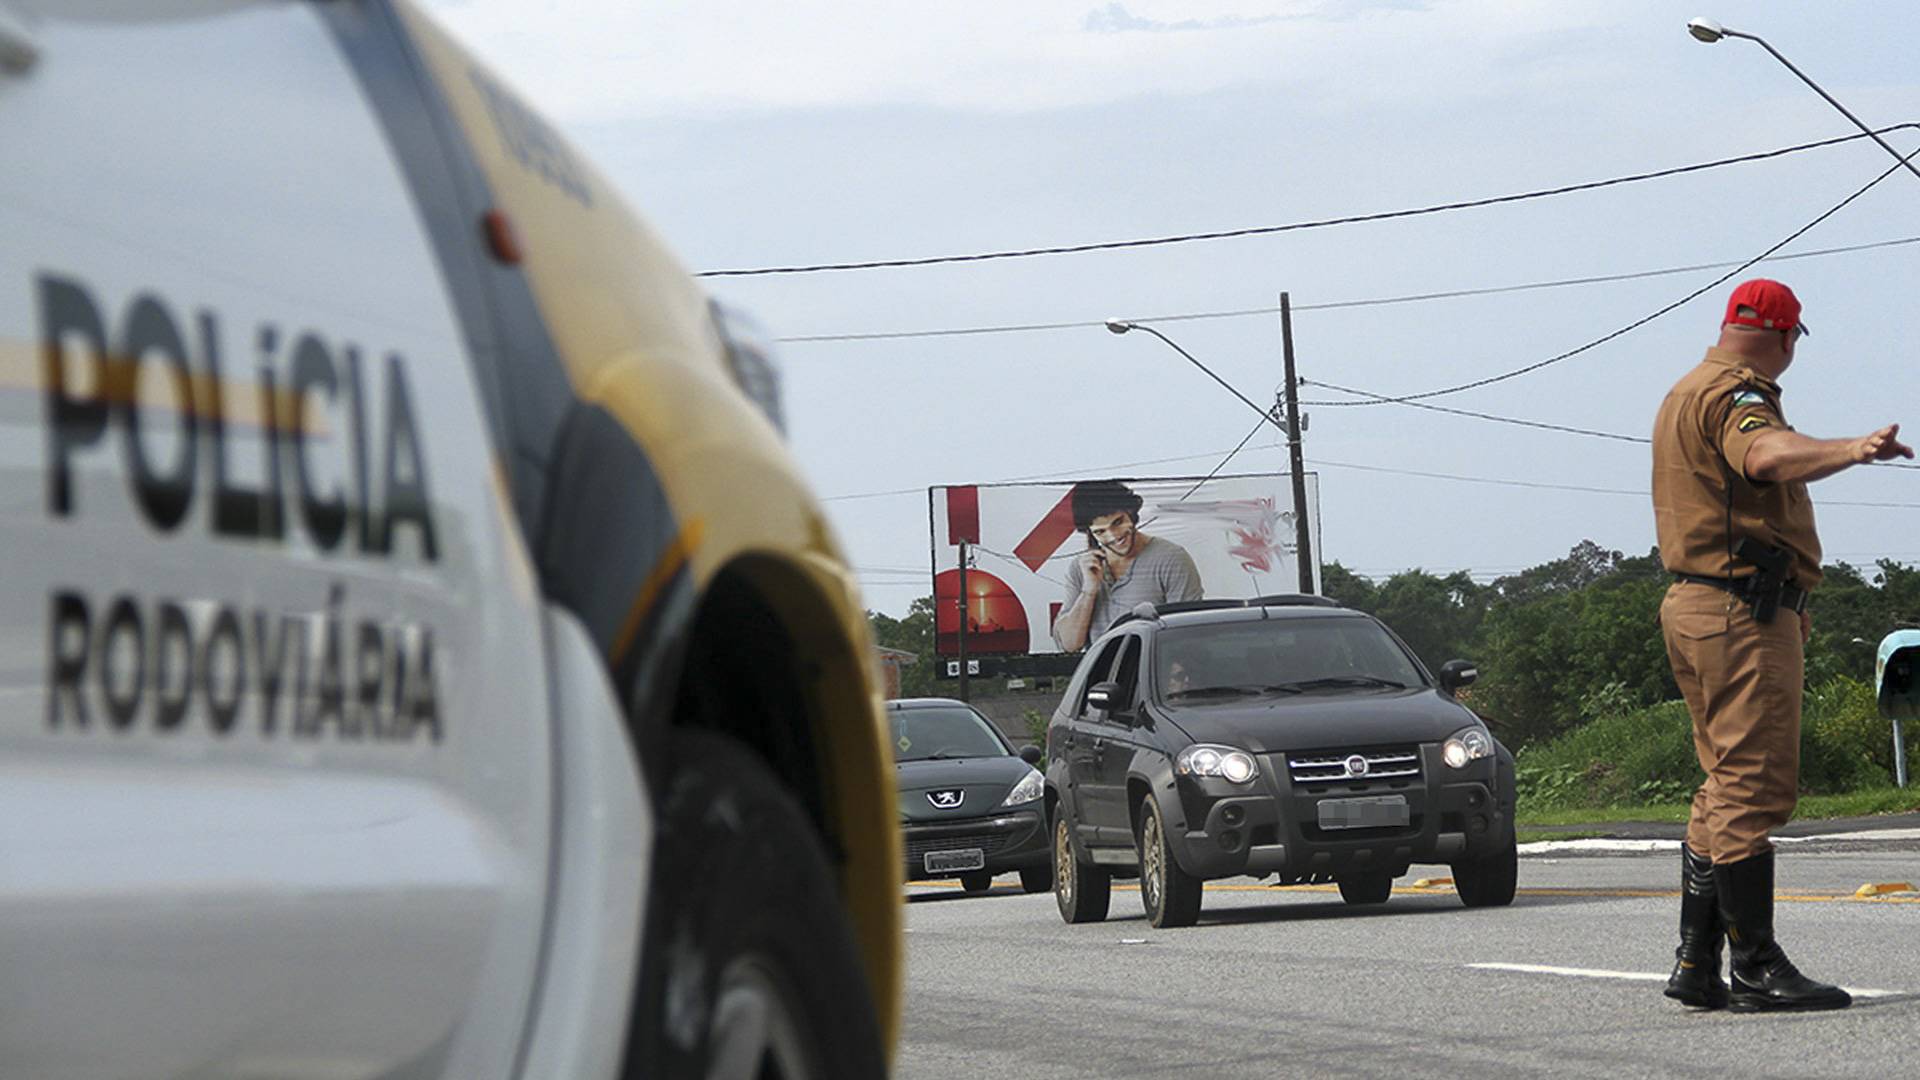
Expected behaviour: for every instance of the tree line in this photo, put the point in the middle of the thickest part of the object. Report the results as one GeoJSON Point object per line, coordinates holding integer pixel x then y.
{"type": "Point", "coordinates": [1557, 644]}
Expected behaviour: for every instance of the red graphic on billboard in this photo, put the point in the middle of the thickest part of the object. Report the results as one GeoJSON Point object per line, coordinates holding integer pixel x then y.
{"type": "Point", "coordinates": [1046, 537]}
{"type": "Point", "coordinates": [963, 515]}
{"type": "Point", "coordinates": [996, 623]}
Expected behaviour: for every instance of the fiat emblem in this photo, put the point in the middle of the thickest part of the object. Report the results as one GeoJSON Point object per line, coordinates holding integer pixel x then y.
{"type": "Point", "coordinates": [1356, 766]}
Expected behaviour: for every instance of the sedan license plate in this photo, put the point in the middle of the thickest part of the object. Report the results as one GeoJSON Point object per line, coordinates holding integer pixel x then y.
{"type": "Point", "coordinates": [1374, 813]}
{"type": "Point", "coordinates": [946, 862]}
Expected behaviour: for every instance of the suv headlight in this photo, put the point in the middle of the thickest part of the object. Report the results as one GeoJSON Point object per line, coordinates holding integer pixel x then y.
{"type": "Point", "coordinates": [1465, 746]}
{"type": "Point", "coordinates": [1030, 787]}
{"type": "Point", "coordinates": [1201, 759]}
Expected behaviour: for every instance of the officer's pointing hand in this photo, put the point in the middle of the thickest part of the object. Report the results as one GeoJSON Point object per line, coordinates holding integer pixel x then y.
{"type": "Point", "coordinates": [1882, 446]}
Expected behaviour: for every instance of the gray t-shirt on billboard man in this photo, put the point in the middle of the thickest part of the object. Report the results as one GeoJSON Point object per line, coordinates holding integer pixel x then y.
{"type": "Point", "coordinates": [1162, 573]}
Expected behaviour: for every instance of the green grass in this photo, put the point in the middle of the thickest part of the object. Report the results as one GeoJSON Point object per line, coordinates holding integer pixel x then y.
{"type": "Point", "coordinates": [1864, 803]}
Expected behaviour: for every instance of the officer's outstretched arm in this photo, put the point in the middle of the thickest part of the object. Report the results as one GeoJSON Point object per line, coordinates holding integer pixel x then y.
{"type": "Point", "coordinates": [1786, 456]}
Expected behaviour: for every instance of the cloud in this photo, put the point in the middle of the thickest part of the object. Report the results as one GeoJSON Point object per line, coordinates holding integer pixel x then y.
{"type": "Point", "coordinates": [1116, 19]}
{"type": "Point", "coordinates": [602, 60]}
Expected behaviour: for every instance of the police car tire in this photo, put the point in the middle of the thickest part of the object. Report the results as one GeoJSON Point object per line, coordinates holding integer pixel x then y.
{"type": "Point", "coordinates": [742, 902]}
{"type": "Point", "coordinates": [1490, 882]}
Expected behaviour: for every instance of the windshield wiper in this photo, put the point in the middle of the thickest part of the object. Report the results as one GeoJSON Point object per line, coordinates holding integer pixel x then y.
{"type": "Point", "coordinates": [1215, 691]}
{"type": "Point", "coordinates": [1341, 680]}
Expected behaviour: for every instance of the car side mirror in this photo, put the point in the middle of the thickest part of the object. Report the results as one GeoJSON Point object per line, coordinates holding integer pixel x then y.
{"type": "Point", "coordinates": [1455, 674]}
{"type": "Point", "coordinates": [1031, 754]}
{"type": "Point", "coordinates": [1103, 696]}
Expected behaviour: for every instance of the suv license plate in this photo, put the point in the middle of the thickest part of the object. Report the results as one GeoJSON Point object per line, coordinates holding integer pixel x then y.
{"type": "Point", "coordinates": [943, 862]}
{"type": "Point", "coordinates": [1374, 813]}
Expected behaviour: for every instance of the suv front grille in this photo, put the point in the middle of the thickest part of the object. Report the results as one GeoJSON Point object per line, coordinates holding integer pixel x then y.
{"type": "Point", "coordinates": [1330, 767]}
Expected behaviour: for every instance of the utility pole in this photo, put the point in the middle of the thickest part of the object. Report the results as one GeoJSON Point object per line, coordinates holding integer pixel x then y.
{"type": "Point", "coordinates": [963, 621]}
{"type": "Point", "coordinates": [1303, 543]}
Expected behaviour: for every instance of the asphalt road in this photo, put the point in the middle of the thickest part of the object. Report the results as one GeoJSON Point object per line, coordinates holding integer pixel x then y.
{"type": "Point", "coordinates": [1292, 982]}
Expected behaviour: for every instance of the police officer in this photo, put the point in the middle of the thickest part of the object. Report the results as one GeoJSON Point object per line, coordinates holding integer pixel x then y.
{"type": "Point", "coordinates": [1736, 531]}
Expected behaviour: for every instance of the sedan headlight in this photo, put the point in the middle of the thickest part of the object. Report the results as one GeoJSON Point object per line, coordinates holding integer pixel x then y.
{"type": "Point", "coordinates": [1030, 787]}
{"type": "Point", "coordinates": [1201, 759]}
{"type": "Point", "coordinates": [1466, 746]}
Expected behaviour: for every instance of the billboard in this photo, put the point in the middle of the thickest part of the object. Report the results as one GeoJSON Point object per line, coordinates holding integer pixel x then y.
{"type": "Point", "coordinates": [1053, 564]}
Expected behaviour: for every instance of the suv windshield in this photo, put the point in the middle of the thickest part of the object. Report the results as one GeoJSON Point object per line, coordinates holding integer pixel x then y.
{"type": "Point", "coordinates": [947, 731]}
{"type": "Point", "coordinates": [1279, 656]}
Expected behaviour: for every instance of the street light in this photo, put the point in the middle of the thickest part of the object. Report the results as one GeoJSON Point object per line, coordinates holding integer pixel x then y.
{"type": "Point", "coordinates": [1707, 31]}
{"type": "Point", "coordinates": [1303, 544]}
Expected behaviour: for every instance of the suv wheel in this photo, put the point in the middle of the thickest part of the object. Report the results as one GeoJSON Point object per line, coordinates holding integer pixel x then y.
{"type": "Point", "coordinates": [1490, 882]}
{"type": "Point", "coordinates": [1080, 889]}
{"type": "Point", "coordinates": [1370, 887]}
{"type": "Point", "coordinates": [977, 882]}
{"type": "Point", "coordinates": [1170, 894]}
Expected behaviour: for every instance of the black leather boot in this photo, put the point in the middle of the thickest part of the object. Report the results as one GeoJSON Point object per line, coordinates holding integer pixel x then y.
{"type": "Point", "coordinates": [1696, 977]}
{"type": "Point", "coordinates": [1763, 978]}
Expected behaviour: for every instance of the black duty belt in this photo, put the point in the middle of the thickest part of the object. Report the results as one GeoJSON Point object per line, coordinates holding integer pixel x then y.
{"type": "Point", "coordinates": [1791, 597]}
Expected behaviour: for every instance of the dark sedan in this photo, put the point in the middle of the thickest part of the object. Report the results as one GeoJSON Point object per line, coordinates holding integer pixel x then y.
{"type": "Point", "coordinates": [970, 805]}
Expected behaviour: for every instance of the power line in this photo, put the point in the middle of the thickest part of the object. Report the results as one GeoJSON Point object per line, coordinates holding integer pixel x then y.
{"type": "Point", "coordinates": [1231, 454]}
{"type": "Point", "coordinates": [1630, 327]}
{"type": "Point", "coordinates": [1381, 301]}
{"type": "Point", "coordinates": [1265, 230]}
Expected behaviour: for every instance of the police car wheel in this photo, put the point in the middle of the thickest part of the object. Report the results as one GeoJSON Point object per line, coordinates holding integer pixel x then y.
{"type": "Point", "coordinates": [1490, 882]}
{"type": "Point", "coordinates": [976, 883]}
{"type": "Point", "coordinates": [750, 967]}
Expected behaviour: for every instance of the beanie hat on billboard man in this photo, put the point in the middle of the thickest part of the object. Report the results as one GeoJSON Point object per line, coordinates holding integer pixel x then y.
{"type": "Point", "coordinates": [1776, 306]}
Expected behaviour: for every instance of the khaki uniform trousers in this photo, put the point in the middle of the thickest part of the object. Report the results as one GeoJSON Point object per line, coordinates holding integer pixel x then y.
{"type": "Point", "coordinates": [1742, 681]}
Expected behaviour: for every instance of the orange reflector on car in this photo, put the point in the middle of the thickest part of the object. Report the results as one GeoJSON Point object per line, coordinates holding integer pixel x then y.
{"type": "Point", "coordinates": [500, 238]}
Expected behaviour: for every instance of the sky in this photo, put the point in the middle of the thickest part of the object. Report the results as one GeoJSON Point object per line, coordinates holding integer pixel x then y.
{"type": "Point", "coordinates": [757, 134]}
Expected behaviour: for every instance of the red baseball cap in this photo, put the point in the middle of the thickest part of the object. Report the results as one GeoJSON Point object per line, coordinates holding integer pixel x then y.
{"type": "Point", "coordinates": [1778, 308]}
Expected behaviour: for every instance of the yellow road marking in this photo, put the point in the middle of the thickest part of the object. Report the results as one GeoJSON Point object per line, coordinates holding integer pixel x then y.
{"type": "Point", "coordinates": [1417, 889]}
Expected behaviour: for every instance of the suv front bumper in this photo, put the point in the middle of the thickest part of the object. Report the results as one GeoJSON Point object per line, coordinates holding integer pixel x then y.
{"type": "Point", "coordinates": [1272, 825]}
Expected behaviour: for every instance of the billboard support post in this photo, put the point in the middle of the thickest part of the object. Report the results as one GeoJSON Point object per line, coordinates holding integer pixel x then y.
{"type": "Point", "coordinates": [1302, 537]}
{"type": "Point", "coordinates": [962, 649]}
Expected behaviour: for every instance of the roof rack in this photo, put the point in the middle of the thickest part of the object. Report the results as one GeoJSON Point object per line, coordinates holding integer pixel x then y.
{"type": "Point", "coordinates": [1294, 600]}
{"type": "Point", "coordinates": [1152, 612]}
{"type": "Point", "coordinates": [1178, 606]}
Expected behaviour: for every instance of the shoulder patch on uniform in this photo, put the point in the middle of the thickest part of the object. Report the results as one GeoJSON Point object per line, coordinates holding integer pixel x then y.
{"type": "Point", "coordinates": [1748, 397]}
{"type": "Point", "coordinates": [1754, 423]}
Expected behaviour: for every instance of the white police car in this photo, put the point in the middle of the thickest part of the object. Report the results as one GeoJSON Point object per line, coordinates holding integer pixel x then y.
{"type": "Point", "coordinates": [420, 654]}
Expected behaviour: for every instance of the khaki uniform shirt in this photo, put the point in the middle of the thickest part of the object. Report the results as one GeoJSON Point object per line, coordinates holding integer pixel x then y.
{"type": "Point", "coordinates": [1705, 427]}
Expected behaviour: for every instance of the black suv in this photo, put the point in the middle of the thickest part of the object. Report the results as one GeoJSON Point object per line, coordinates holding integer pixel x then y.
{"type": "Point", "coordinates": [1283, 735]}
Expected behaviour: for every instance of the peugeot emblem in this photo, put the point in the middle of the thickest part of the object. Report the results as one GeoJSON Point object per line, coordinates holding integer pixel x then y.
{"type": "Point", "coordinates": [1356, 766]}
{"type": "Point", "coordinates": [947, 800]}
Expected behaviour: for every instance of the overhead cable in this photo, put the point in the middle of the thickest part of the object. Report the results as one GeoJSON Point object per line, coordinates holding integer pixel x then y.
{"type": "Point", "coordinates": [1265, 230]}
{"type": "Point", "coordinates": [1380, 301]}
{"type": "Point", "coordinates": [1628, 328]}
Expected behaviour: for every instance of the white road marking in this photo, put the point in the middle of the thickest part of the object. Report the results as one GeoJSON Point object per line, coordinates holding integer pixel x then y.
{"type": "Point", "coordinates": [1635, 976]}
{"type": "Point", "coordinates": [1547, 847]}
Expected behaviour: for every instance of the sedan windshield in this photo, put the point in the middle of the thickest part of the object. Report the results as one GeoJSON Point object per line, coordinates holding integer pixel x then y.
{"type": "Point", "coordinates": [946, 731]}
{"type": "Point", "coordinates": [1280, 656]}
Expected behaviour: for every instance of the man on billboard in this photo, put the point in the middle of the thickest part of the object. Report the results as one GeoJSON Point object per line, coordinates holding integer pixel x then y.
{"type": "Point", "coordinates": [1121, 567]}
